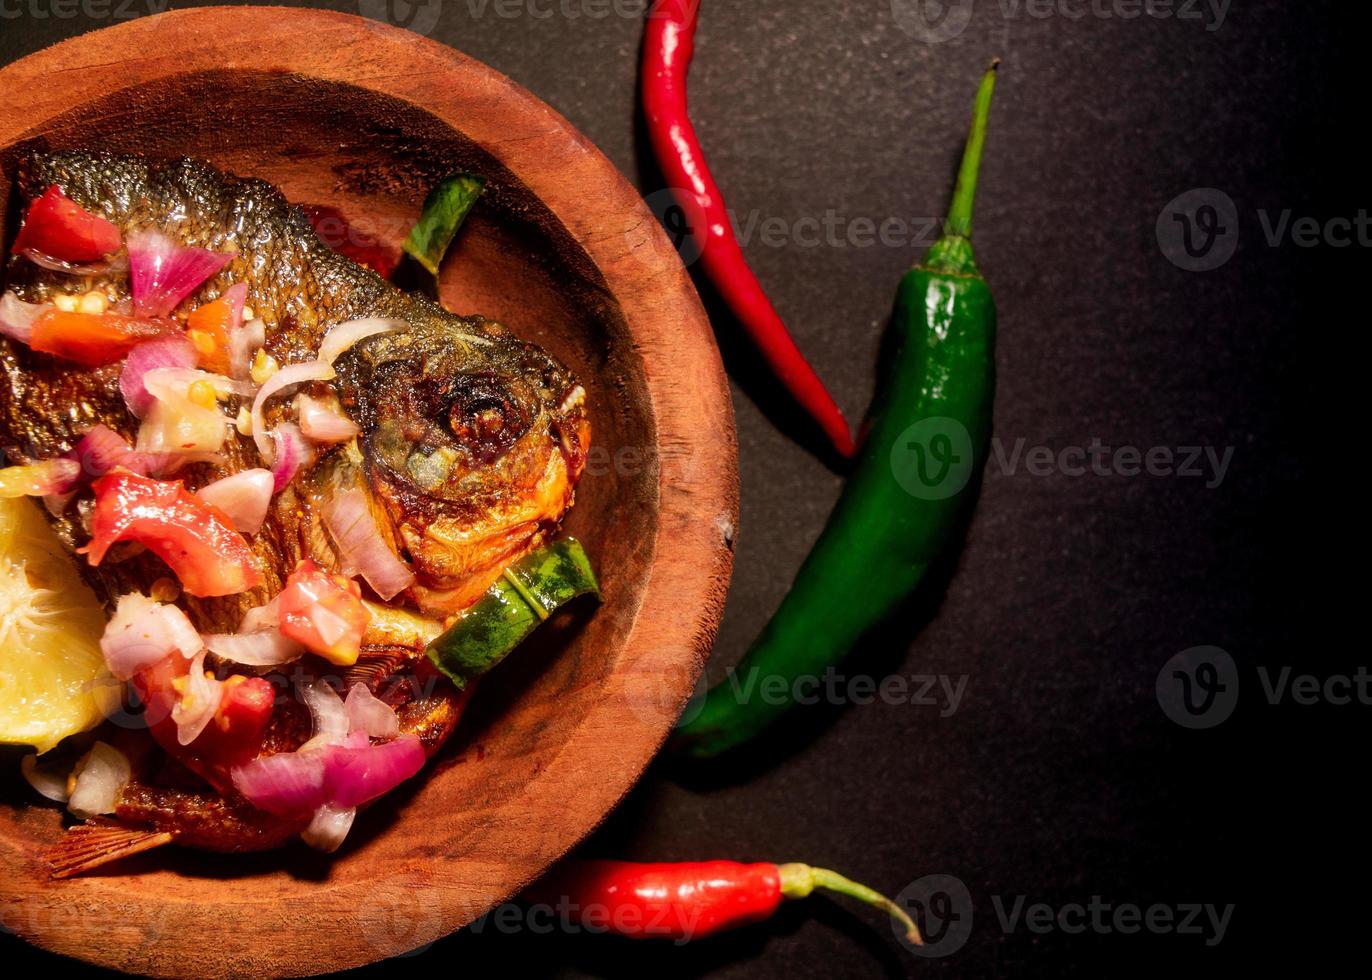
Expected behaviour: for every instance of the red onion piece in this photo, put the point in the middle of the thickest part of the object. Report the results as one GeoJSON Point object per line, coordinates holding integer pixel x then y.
{"type": "Point", "coordinates": [329, 827]}
{"type": "Point", "coordinates": [344, 335]}
{"type": "Point", "coordinates": [322, 422]}
{"type": "Point", "coordinates": [368, 713]}
{"type": "Point", "coordinates": [143, 632]}
{"type": "Point", "coordinates": [243, 344]}
{"type": "Point", "coordinates": [287, 377]}
{"type": "Point", "coordinates": [171, 351]}
{"type": "Point", "coordinates": [342, 775]}
{"type": "Point", "coordinates": [361, 545]}
{"type": "Point", "coordinates": [261, 618]}
{"type": "Point", "coordinates": [101, 776]}
{"type": "Point", "coordinates": [50, 782]}
{"type": "Point", "coordinates": [286, 784]}
{"type": "Point", "coordinates": [266, 648]}
{"type": "Point", "coordinates": [355, 775]}
{"type": "Point", "coordinates": [112, 265]}
{"type": "Point", "coordinates": [196, 707]}
{"type": "Point", "coordinates": [244, 497]}
{"type": "Point", "coordinates": [163, 272]}
{"type": "Point", "coordinates": [327, 712]}
{"type": "Point", "coordinates": [291, 455]}
{"type": "Point", "coordinates": [16, 317]}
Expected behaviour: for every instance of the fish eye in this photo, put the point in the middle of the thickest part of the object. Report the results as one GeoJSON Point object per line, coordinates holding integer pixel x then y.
{"type": "Point", "coordinates": [484, 417]}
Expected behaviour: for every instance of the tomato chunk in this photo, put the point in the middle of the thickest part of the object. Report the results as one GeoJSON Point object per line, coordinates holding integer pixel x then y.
{"type": "Point", "coordinates": [93, 339]}
{"type": "Point", "coordinates": [210, 325]}
{"type": "Point", "coordinates": [195, 539]}
{"type": "Point", "coordinates": [324, 613]}
{"type": "Point", "coordinates": [60, 228]}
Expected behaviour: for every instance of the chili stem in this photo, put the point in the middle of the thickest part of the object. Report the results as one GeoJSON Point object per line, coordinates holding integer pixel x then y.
{"type": "Point", "coordinates": [960, 212]}
{"type": "Point", "coordinates": [799, 880]}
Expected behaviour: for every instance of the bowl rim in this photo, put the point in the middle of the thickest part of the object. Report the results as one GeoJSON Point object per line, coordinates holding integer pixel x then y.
{"type": "Point", "coordinates": [668, 641]}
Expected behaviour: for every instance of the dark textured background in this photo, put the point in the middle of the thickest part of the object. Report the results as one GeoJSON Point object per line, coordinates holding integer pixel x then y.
{"type": "Point", "coordinates": [1059, 778]}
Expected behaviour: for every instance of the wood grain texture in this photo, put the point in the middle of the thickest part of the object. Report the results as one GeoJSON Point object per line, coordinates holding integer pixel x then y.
{"type": "Point", "coordinates": [340, 110]}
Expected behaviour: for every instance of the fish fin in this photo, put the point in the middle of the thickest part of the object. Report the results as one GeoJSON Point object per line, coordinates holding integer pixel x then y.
{"type": "Point", "coordinates": [100, 841]}
{"type": "Point", "coordinates": [372, 668]}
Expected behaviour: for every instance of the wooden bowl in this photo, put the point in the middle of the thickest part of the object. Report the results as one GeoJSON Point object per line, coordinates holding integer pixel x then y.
{"type": "Point", "coordinates": [345, 111]}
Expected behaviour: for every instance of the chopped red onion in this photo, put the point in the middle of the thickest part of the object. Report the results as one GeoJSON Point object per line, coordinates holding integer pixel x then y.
{"type": "Point", "coordinates": [322, 422]}
{"type": "Point", "coordinates": [357, 774]}
{"type": "Point", "coordinates": [48, 781]}
{"type": "Point", "coordinates": [286, 784]}
{"type": "Point", "coordinates": [261, 618]}
{"type": "Point", "coordinates": [171, 351]}
{"type": "Point", "coordinates": [243, 344]}
{"type": "Point", "coordinates": [163, 272]}
{"type": "Point", "coordinates": [16, 317]}
{"type": "Point", "coordinates": [195, 708]}
{"type": "Point", "coordinates": [361, 545]}
{"type": "Point", "coordinates": [101, 776]}
{"type": "Point", "coordinates": [265, 648]}
{"type": "Point", "coordinates": [327, 712]}
{"type": "Point", "coordinates": [329, 827]}
{"type": "Point", "coordinates": [114, 264]}
{"type": "Point", "coordinates": [143, 632]}
{"type": "Point", "coordinates": [344, 335]}
{"type": "Point", "coordinates": [368, 713]}
{"type": "Point", "coordinates": [285, 378]}
{"type": "Point", "coordinates": [344, 775]}
{"type": "Point", "coordinates": [292, 454]}
{"type": "Point", "coordinates": [244, 497]}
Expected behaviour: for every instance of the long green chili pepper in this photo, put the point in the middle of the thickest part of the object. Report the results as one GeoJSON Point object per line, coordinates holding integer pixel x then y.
{"type": "Point", "coordinates": [929, 432]}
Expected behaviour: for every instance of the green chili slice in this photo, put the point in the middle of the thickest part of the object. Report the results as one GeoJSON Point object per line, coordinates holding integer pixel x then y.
{"type": "Point", "coordinates": [445, 209]}
{"type": "Point", "coordinates": [527, 593]}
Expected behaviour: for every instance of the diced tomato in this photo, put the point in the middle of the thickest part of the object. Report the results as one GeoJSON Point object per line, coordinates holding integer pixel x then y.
{"type": "Point", "coordinates": [233, 736]}
{"type": "Point", "coordinates": [93, 339]}
{"type": "Point", "coordinates": [335, 231]}
{"type": "Point", "coordinates": [324, 613]}
{"type": "Point", "coordinates": [195, 539]}
{"type": "Point", "coordinates": [210, 325]}
{"type": "Point", "coordinates": [59, 227]}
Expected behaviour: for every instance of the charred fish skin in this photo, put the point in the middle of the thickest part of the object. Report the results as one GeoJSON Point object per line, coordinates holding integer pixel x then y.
{"type": "Point", "coordinates": [473, 440]}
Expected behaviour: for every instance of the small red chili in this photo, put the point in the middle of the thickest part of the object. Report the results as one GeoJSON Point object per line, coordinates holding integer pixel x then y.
{"type": "Point", "coordinates": [690, 900]}
{"type": "Point", "coordinates": [669, 42]}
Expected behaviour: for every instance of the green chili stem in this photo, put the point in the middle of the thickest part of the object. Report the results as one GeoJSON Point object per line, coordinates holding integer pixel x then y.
{"type": "Point", "coordinates": [960, 212]}
{"type": "Point", "coordinates": [799, 880]}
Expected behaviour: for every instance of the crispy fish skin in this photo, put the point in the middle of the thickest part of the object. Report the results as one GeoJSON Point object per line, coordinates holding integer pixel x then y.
{"type": "Point", "coordinates": [472, 443]}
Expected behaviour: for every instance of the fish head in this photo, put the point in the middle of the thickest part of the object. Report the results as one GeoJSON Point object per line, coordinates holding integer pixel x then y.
{"type": "Point", "coordinates": [472, 444]}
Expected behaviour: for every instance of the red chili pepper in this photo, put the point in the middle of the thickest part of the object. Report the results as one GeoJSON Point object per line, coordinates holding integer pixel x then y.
{"type": "Point", "coordinates": [668, 44]}
{"type": "Point", "coordinates": [195, 539]}
{"type": "Point", "coordinates": [690, 900]}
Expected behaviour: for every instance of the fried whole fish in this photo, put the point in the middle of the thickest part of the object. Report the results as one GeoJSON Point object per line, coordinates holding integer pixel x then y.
{"type": "Point", "coordinates": [471, 445]}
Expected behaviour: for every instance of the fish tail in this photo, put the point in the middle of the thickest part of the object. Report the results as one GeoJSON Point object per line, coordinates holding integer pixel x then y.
{"type": "Point", "coordinates": [100, 841]}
